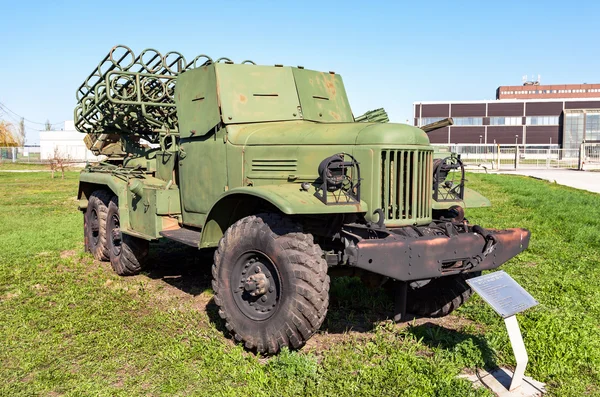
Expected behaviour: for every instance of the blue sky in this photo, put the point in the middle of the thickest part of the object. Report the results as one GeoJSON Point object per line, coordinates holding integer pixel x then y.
{"type": "Point", "coordinates": [390, 54]}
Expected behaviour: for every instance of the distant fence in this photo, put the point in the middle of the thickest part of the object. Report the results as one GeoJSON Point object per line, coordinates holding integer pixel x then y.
{"type": "Point", "coordinates": [20, 154]}
{"type": "Point", "coordinates": [45, 155]}
{"type": "Point", "coordinates": [502, 157]}
{"type": "Point", "coordinates": [496, 157]}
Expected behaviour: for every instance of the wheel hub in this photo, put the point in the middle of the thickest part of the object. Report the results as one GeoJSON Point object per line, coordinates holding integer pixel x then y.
{"type": "Point", "coordinates": [95, 227]}
{"type": "Point", "coordinates": [115, 235]}
{"type": "Point", "coordinates": [256, 285]}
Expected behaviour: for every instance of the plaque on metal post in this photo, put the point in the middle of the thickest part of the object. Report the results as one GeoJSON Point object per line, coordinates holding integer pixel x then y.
{"type": "Point", "coordinates": [502, 293]}
{"type": "Point", "coordinates": [507, 298]}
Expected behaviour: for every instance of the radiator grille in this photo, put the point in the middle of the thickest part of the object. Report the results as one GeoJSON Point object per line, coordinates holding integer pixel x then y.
{"type": "Point", "coordinates": [406, 184]}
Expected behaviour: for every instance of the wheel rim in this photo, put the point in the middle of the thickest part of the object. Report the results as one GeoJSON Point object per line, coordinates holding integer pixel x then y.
{"type": "Point", "coordinates": [256, 285]}
{"type": "Point", "coordinates": [115, 235]}
{"type": "Point", "coordinates": [95, 227]}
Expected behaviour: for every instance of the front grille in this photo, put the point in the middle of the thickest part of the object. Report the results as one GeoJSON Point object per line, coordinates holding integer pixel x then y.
{"type": "Point", "coordinates": [406, 184]}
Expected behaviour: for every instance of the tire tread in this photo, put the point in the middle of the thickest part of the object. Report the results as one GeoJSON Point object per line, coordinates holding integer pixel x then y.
{"type": "Point", "coordinates": [311, 283]}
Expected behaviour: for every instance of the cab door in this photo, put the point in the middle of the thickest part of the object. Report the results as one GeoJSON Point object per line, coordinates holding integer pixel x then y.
{"type": "Point", "coordinates": [202, 164]}
{"type": "Point", "coordinates": [202, 175]}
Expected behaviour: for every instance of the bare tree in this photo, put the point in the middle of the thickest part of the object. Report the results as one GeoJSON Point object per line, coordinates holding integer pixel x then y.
{"type": "Point", "coordinates": [59, 162]}
{"type": "Point", "coordinates": [48, 125]}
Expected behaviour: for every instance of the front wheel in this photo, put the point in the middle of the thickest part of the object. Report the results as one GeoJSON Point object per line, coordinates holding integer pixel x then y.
{"type": "Point", "coordinates": [127, 254]}
{"type": "Point", "coordinates": [270, 282]}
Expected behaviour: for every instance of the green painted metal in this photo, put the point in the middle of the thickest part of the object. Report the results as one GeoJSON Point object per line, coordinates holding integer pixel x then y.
{"type": "Point", "coordinates": [292, 200]}
{"type": "Point", "coordinates": [142, 214]}
{"type": "Point", "coordinates": [322, 96]}
{"type": "Point", "coordinates": [308, 133]}
{"type": "Point", "coordinates": [230, 134]}
{"type": "Point", "coordinates": [472, 199]}
{"type": "Point", "coordinates": [373, 116]}
{"type": "Point", "coordinates": [251, 94]}
{"type": "Point", "coordinates": [197, 102]}
{"type": "Point", "coordinates": [288, 198]}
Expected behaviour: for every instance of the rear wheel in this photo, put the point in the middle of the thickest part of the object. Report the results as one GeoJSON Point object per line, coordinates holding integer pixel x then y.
{"type": "Point", "coordinates": [270, 283]}
{"type": "Point", "coordinates": [127, 254]}
{"type": "Point", "coordinates": [440, 296]}
{"type": "Point", "coordinates": [94, 224]}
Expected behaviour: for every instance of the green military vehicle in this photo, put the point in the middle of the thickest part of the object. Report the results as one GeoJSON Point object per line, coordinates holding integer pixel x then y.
{"type": "Point", "coordinates": [267, 166]}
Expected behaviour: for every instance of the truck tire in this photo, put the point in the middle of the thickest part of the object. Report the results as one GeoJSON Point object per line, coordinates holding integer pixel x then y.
{"type": "Point", "coordinates": [270, 282]}
{"type": "Point", "coordinates": [128, 254]}
{"type": "Point", "coordinates": [94, 224]}
{"type": "Point", "coordinates": [440, 296]}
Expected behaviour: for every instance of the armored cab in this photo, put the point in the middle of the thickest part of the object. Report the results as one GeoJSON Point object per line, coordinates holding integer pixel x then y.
{"type": "Point", "coordinates": [267, 167]}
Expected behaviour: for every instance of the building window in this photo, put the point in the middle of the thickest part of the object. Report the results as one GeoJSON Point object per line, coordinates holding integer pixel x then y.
{"type": "Point", "coordinates": [468, 120]}
{"type": "Point", "coordinates": [428, 120]}
{"type": "Point", "coordinates": [542, 120]}
{"type": "Point", "coordinates": [573, 131]}
{"type": "Point", "coordinates": [592, 126]}
{"type": "Point", "coordinates": [506, 121]}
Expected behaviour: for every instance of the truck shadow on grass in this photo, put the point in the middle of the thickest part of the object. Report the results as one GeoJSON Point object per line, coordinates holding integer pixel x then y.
{"type": "Point", "coordinates": [180, 266]}
{"type": "Point", "coordinates": [352, 305]}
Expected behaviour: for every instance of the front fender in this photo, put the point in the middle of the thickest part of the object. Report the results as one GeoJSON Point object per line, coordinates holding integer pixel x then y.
{"type": "Point", "coordinates": [287, 198]}
{"type": "Point", "coordinates": [290, 199]}
{"type": "Point", "coordinates": [472, 199]}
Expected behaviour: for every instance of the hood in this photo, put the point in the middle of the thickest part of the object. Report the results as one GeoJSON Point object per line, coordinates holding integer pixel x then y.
{"type": "Point", "coordinates": [309, 133]}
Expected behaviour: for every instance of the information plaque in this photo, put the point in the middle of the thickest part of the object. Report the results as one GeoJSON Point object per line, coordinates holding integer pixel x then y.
{"type": "Point", "coordinates": [502, 293]}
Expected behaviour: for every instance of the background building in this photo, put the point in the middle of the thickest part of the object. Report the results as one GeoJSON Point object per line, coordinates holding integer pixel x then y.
{"type": "Point", "coordinates": [532, 116]}
{"type": "Point", "coordinates": [68, 142]}
{"type": "Point", "coordinates": [534, 90]}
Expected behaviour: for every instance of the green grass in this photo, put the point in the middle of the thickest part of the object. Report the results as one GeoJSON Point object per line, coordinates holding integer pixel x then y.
{"type": "Point", "coordinates": [69, 326]}
{"type": "Point", "coordinates": [5, 165]}
{"type": "Point", "coordinates": [10, 166]}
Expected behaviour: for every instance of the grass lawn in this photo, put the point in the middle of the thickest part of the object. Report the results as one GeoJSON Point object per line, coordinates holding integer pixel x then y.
{"type": "Point", "coordinates": [10, 166]}
{"type": "Point", "coordinates": [6, 166]}
{"type": "Point", "coordinates": [69, 326]}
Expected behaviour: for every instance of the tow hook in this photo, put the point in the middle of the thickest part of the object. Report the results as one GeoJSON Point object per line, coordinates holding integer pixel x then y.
{"type": "Point", "coordinates": [490, 240]}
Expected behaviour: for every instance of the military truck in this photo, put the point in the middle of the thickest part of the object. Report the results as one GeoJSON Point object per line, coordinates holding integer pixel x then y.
{"type": "Point", "coordinates": [267, 166]}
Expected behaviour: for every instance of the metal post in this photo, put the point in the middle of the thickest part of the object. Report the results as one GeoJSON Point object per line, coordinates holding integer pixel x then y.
{"type": "Point", "coordinates": [498, 156]}
{"type": "Point", "coordinates": [14, 154]}
{"type": "Point", "coordinates": [518, 346]}
{"type": "Point", "coordinates": [581, 156]}
{"type": "Point", "coordinates": [516, 157]}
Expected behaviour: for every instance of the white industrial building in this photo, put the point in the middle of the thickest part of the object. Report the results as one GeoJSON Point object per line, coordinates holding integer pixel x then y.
{"type": "Point", "coordinates": [69, 143]}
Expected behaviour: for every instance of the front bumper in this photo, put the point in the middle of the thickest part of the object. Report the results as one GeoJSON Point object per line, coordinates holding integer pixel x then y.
{"type": "Point", "coordinates": [423, 257]}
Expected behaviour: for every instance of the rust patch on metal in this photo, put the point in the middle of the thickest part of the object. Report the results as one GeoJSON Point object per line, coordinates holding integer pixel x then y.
{"type": "Point", "coordinates": [330, 87]}
{"type": "Point", "coordinates": [243, 98]}
{"type": "Point", "coordinates": [427, 257]}
{"type": "Point", "coordinates": [169, 223]}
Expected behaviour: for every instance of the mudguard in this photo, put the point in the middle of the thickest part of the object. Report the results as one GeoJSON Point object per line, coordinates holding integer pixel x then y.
{"type": "Point", "coordinates": [472, 199]}
{"type": "Point", "coordinates": [140, 215]}
{"type": "Point", "coordinates": [288, 198]}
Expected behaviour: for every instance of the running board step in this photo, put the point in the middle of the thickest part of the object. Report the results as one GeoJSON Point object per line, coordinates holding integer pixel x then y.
{"type": "Point", "coordinates": [183, 235]}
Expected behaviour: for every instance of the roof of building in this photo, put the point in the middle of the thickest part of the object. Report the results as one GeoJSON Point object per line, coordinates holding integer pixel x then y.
{"type": "Point", "coordinates": [597, 98]}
